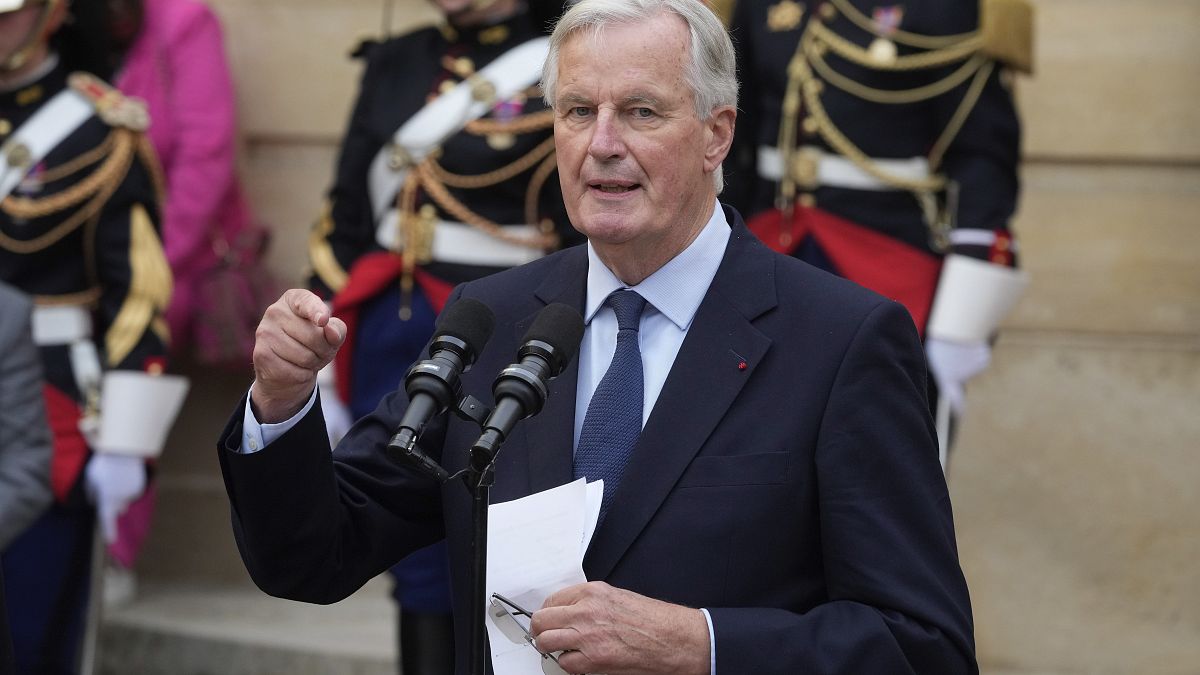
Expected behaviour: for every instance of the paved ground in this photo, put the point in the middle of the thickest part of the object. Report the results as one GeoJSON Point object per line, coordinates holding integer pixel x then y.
{"type": "Point", "coordinates": [182, 630]}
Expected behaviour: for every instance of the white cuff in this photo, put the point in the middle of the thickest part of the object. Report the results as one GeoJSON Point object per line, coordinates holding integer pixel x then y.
{"type": "Point", "coordinates": [972, 297]}
{"type": "Point", "coordinates": [256, 435]}
{"type": "Point", "coordinates": [712, 644]}
{"type": "Point", "coordinates": [137, 411]}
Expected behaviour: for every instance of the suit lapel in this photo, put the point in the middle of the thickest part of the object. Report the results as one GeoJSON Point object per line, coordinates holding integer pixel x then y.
{"type": "Point", "coordinates": [709, 363]}
{"type": "Point", "coordinates": [549, 435]}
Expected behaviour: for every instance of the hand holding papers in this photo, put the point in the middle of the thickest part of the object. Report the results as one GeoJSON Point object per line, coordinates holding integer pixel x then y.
{"type": "Point", "coordinates": [535, 547]}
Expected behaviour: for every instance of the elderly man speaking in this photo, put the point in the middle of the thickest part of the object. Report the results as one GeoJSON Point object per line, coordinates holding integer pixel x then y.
{"type": "Point", "coordinates": [773, 501]}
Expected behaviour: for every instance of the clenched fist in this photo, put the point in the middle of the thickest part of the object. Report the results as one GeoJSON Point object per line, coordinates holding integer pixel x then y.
{"type": "Point", "coordinates": [295, 339]}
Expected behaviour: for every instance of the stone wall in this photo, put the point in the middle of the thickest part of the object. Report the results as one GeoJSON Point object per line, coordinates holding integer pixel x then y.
{"type": "Point", "coordinates": [1075, 480]}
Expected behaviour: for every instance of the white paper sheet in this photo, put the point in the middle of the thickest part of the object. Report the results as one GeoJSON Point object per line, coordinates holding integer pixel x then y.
{"type": "Point", "coordinates": [535, 547]}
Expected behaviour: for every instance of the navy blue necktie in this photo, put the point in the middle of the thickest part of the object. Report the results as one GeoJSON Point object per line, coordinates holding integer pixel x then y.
{"type": "Point", "coordinates": [613, 420]}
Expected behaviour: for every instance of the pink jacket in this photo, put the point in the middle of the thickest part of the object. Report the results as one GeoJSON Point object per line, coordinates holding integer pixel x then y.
{"type": "Point", "coordinates": [177, 66]}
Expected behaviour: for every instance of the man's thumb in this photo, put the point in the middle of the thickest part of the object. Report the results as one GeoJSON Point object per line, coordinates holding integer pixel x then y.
{"type": "Point", "coordinates": [335, 332]}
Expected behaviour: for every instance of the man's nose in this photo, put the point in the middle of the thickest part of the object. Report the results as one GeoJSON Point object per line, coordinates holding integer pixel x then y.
{"type": "Point", "coordinates": [607, 142]}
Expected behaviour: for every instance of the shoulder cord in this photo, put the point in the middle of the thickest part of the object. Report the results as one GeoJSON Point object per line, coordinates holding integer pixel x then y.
{"type": "Point", "coordinates": [802, 81]}
{"type": "Point", "coordinates": [99, 186]}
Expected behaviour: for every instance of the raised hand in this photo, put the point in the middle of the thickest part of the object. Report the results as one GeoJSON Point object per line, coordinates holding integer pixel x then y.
{"type": "Point", "coordinates": [295, 339]}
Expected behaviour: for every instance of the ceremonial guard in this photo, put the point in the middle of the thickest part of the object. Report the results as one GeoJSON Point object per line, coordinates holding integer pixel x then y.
{"type": "Point", "coordinates": [78, 213]}
{"type": "Point", "coordinates": [880, 142]}
{"type": "Point", "coordinates": [447, 173]}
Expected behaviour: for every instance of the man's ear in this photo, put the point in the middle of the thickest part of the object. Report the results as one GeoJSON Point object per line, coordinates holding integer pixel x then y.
{"type": "Point", "coordinates": [718, 136]}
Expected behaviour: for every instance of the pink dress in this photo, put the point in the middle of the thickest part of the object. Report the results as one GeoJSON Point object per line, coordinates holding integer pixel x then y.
{"type": "Point", "coordinates": [177, 66]}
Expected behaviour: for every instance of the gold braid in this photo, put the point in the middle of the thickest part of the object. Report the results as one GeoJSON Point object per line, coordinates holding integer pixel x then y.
{"type": "Point", "coordinates": [902, 36]}
{"type": "Point", "coordinates": [890, 96]}
{"type": "Point", "coordinates": [111, 173]}
{"type": "Point", "coordinates": [441, 196]}
{"type": "Point", "coordinates": [86, 159]}
{"type": "Point", "coordinates": [924, 60]}
{"type": "Point", "coordinates": [536, 181]}
{"type": "Point", "coordinates": [960, 115]}
{"type": "Point", "coordinates": [810, 87]}
{"type": "Point", "coordinates": [521, 165]}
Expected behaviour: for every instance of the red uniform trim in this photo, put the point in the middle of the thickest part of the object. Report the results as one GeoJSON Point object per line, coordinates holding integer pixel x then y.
{"type": "Point", "coordinates": [883, 264]}
{"type": "Point", "coordinates": [371, 275]}
{"type": "Point", "coordinates": [70, 448]}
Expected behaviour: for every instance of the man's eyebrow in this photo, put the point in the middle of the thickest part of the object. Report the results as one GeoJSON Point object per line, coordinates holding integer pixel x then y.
{"type": "Point", "coordinates": [640, 99]}
{"type": "Point", "coordinates": [575, 99]}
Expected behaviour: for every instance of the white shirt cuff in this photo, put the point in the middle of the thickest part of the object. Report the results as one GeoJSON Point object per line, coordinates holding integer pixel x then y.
{"type": "Point", "coordinates": [712, 644]}
{"type": "Point", "coordinates": [256, 436]}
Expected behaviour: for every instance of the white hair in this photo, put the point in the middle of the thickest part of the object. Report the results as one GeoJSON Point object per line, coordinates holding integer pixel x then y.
{"type": "Point", "coordinates": [711, 72]}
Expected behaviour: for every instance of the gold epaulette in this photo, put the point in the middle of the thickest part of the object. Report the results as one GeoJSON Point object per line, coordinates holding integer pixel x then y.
{"type": "Point", "coordinates": [116, 109]}
{"type": "Point", "coordinates": [1007, 29]}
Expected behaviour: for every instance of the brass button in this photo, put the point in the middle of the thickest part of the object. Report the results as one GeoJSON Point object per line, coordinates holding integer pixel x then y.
{"type": "Point", "coordinates": [19, 156]}
{"type": "Point", "coordinates": [5, 127]}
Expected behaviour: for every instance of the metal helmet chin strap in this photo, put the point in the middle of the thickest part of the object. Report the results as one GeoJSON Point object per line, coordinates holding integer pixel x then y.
{"type": "Point", "coordinates": [20, 56]}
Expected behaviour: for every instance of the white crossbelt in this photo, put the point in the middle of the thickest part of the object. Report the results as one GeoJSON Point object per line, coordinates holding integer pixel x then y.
{"type": "Point", "coordinates": [444, 116]}
{"type": "Point", "coordinates": [837, 171]}
{"type": "Point", "coordinates": [460, 243]}
{"type": "Point", "coordinates": [60, 325]}
{"type": "Point", "coordinates": [40, 134]}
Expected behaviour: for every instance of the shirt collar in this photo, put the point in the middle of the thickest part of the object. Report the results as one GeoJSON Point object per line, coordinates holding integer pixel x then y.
{"type": "Point", "coordinates": [677, 288]}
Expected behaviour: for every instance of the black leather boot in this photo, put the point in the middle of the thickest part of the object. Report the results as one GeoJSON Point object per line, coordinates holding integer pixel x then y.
{"type": "Point", "coordinates": [426, 644]}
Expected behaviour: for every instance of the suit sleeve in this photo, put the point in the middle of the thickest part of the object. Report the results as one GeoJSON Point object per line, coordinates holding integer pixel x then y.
{"type": "Point", "coordinates": [897, 600]}
{"type": "Point", "coordinates": [24, 433]}
{"type": "Point", "coordinates": [315, 526]}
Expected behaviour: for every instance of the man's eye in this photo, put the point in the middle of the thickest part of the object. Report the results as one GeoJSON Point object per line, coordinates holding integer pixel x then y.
{"type": "Point", "coordinates": [643, 113]}
{"type": "Point", "coordinates": [580, 111]}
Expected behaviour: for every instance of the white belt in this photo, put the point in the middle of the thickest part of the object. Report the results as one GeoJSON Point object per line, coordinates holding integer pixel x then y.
{"type": "Point", "coordinates": [465, 245]}
{"type": "Point", "coordinates": [60, 325]}
{"type": "Point", "coordinates": [837, 171]}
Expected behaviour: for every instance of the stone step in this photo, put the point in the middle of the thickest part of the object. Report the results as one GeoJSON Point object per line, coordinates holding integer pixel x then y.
{"type": "Point", "coordinates": [191, 629]}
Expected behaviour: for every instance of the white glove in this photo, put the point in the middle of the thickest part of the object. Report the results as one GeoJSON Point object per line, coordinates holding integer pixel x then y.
{"type": "Point", "coordinates": [338, 419]}
{"type": "Point", "coordinates": [113, 482]}
{"type": "Point", "coordinates": [952, 364]}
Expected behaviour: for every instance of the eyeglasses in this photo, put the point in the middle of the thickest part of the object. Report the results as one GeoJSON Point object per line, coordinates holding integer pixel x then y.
{"type": "Point", "coordinates": [504, 614]}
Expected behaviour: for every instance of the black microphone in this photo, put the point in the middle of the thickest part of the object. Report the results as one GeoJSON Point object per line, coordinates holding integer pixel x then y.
{"type": "Point", "coordinates": [520, 389]}
{"type": "Point", "coordinates": [433, 385]}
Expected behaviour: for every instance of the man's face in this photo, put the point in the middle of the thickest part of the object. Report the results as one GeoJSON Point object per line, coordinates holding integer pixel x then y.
{"type": "Point", "coordinates": [635, 162]}
{"type": "Point", "coordinates": [15, 28]}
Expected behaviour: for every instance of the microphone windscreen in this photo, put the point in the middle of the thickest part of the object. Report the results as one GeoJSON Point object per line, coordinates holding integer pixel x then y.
{"type": "Point", "coordinates": [560, 326]}
{"type": "Point", "coordinates": [468, 320]}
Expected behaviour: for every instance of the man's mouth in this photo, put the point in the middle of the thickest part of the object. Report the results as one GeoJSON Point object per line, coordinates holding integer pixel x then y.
{"type": "Point", "coordinates": [612, 188]}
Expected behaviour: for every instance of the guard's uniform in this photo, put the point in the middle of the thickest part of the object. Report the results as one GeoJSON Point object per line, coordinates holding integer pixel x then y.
{"type": "Point", "coordinates": [876, 138]}
{"type": "Point", "coordinates": [78, 232]}
{"type": "Point", "coordinates": [474, 195]}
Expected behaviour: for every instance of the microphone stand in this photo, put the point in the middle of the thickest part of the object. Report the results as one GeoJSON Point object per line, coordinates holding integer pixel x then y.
{"type": "Point", "coordinates": [480, 477]}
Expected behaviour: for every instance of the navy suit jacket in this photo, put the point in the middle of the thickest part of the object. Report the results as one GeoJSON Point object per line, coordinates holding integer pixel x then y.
{"type": "Point", "coordinates": [787, 478]}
